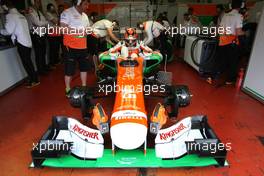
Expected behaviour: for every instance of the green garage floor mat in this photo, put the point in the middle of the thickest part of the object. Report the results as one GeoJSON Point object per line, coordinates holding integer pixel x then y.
{"type": "Point", "coordinates": [129, 159]}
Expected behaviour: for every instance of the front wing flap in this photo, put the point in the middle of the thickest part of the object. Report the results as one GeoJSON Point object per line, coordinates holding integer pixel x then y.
{"type": "Point", "coordinates": [192, 135]}
{"type": "Point", "coordinates": [68, 136]}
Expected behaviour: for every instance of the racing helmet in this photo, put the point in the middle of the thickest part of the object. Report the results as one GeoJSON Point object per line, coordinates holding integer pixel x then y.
{"type": "Point", "coordinates": [130, 37]}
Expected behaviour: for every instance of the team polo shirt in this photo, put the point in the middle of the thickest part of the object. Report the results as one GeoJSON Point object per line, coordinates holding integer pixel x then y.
{"type": "Point", "coordinates": [37, 21]}
{"type": "Point", "coordinates": [231, 21]}
{"type": "Point", "coordinates": [74, 20]}
{"type": "Point", "coordinates": [152, 30]}
{"type": "Point", "coordinates": [100, 28]}
{"type": "Point", "coordinates": [17, 26]}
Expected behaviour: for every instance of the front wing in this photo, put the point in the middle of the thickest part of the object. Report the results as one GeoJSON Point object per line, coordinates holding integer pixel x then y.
{"type": "Point", "coordinates": [69, 144]}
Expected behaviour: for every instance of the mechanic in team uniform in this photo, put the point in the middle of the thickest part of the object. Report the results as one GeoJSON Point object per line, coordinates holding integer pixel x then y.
{"type": "Point", "coordinates": [38, 23]}
{"type": "Point", "coordinates": [194, 18]}
{"type": "Point", "coordinates": [154, 29]}
{"type": "Point", "coordinates": [163, 19]}
{"type": "Point", "coordinates": [228, 50]}
{"type": "Point", "coordinates": [101, 29]}
{"type": "Point", "coordinates": [54, 38]}
{"type": "Point", "coordinates": [17, 26]}
{"type": "Point", "coordinates": [75, 50]}
{"type": "Point", "coordinates": [220, 13]}
{"type": "Point", "coordinates": [93, 18]}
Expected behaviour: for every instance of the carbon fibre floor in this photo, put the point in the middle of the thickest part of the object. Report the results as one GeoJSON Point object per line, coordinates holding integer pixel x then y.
{"type": "Point", "coordinates": [237, 118]}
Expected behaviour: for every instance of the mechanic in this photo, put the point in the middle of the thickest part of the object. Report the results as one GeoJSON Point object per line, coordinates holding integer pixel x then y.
{"type": "Point", "coordinates": [17, 26]}
{"type": "Point", "coordinates": [60, 9]}
{"type": "Point", "coordinates": [54, 38]}
{"type": "Point", "coordinates": [93, 17]}
{"type": "Point", "coordinates": [220, 10]}
{"type": "Point", "coordinates": [194, 19]}
{"type": "Point", "coordinates": [188, 22]}
{"type": "Point", "coordinates": [131, 46]}
{"type": "Point", "coordinates": [163, 19]}
{"type": "Point", "coordinates": [228, 50]}
{"type": "Point", "coordinates": [152, 29]}
{"type": "Point", "coordinates": [249, 27]}
{"type": "Point", "coordinates": [101, 29]}
{"type": "Point", "coordinates": [75, 50]}
{"type": "Point", "coordinates": [38, 24]}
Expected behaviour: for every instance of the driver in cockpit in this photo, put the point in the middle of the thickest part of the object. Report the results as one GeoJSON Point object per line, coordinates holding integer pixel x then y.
{"type": "Point", "coordinates": [131, 46]}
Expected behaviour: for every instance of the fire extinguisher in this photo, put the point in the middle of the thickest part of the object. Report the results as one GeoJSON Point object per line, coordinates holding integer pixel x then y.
{"type": "Point", "coordinates": [240, 78]}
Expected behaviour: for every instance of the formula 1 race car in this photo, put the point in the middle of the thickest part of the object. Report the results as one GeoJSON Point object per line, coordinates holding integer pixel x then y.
{"type": "Point", "coordinates": [190, 142]}
{"type": "Point", "coordinates": [107, 64]}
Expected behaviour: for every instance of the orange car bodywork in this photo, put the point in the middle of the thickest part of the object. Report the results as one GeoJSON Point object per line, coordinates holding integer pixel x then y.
{"type": "Point", "coordinates": [130, 92]}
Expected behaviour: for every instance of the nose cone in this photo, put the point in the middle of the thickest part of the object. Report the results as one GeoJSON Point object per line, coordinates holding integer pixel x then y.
{"type": "Point", "coordinates": [128, 136]}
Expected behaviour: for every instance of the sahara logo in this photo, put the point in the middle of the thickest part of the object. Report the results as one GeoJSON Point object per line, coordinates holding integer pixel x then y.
{"type": "Point", "coordinates": [129, 117]}
{"type": "Point", "coordinates": [178, 129]}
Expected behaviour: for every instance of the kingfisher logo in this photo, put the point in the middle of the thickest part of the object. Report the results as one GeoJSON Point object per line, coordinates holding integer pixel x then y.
{"type": "Point", "coordinates": [178, 129]}
{"type": "Point", "coordinates": [79, 130]}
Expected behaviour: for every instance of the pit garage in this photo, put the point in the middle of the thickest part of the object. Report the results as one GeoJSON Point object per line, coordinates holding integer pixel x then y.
{"type": "Point", "coordinates": [144, 88]}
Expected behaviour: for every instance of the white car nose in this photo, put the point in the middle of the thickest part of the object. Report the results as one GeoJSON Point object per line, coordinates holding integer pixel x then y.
{"type": "Point", "coordinates": [128, 136]}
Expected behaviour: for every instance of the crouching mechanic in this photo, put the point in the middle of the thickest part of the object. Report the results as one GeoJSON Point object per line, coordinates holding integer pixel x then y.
{"type": "Point", "coordinates": [154, 29]}
{"type": "Point", "coordinates": [76, 22]}
{"type": "Point", "coordinates": [131, 47]}
{"type": "Point", "coordinates": [101, 29]}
